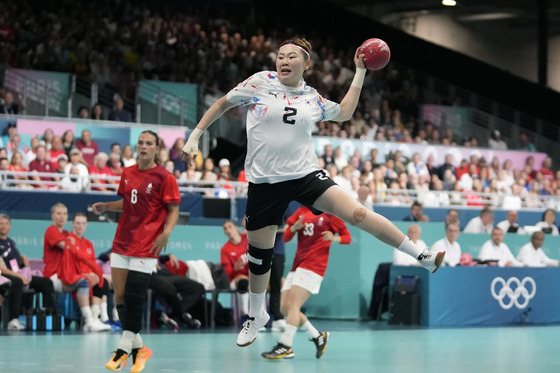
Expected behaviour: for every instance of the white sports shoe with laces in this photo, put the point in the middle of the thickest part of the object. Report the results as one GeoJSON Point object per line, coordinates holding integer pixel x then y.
{"type": "Point", "coordinates": [431, 260]}
{"type": "Point", "coordinates": [251, 328]}
{"type": "Point", "coordinates": [96, 326]}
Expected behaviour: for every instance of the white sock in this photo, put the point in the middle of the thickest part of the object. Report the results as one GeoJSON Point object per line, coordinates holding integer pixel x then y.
{"type": "Point", "coordinates": [87, 314]}
{"type": "Point", "coordinates": [115, 314]}
{"type": "Point", "coordinates": [256, 302]}
{"type": "Point", "coordinates": [104, 315]}
{"type": "Point", "coordinates": [137, 343]}
{"type": "Point", "coordinates": [288, 336]}
{"type": "Point", "coordinates": [310, 329]}
{"type": "Point", "coordinates": [126, 341]}
{"type": "Point", "coordinates": [410, 248]}
{"type": "Point", "coordinates": [95, 311]}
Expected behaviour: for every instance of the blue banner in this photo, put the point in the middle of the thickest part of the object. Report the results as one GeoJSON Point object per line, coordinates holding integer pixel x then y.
{"type": "Point", "coordinates": [468, 296]}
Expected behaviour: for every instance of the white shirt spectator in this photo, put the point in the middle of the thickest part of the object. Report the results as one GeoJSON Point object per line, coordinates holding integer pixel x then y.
{"type": "Point", "coordinates": [501, 253]}
{"type": "Point", "coordinates": [505, 226]}
{"type": "Point", "coordinates": [545, 227]}
{"type": "Point", "coordinates": [532, 257]}
{"type": "Point", "coordinates": [512, 202]}
{"type": "Point", "coordinates": [402, 259]}
{"type": "Point", "coordinates": [344, 183]}
{"type": "Point", "coordinates": [434, 198]}
{"type": "Point", "coordinates": [83, 173]}
{"type": "Point", "coordinates": [475, 225]}
{"type": "Point", "coordinates": [452, 251]}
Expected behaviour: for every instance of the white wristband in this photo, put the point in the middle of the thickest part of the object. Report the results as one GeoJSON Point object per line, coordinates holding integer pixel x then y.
{"type": "Point", "coordinates": [195, 134]}
{"type": "Point", "coordinates": [359, 77]}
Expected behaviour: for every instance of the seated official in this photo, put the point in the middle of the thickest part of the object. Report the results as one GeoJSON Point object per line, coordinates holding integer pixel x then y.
{"type": "Point", "coordinates": [450, 245]}
{"type": "Point", "coordinates": [481, 224]}
{"type": "Point", "coordinates": [496, 250]}
{"type": "Point", "coordinates": [510, 225]}
{"type": "Point", "coordinates": [532, 254]}
{"type": "Point", "coordinates": [15, 267]}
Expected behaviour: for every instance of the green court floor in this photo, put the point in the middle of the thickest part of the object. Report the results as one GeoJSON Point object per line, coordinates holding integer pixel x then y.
{"type": "Point", "coordinates": [353, 347]}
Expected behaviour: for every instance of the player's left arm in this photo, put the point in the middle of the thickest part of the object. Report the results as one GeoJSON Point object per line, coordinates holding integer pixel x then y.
{"type": "Point", "coordinates": [338, 226]}
{"type": "Point", "coordinates": [170, 221]}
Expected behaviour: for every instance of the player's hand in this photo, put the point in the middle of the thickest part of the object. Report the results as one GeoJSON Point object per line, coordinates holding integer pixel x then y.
{"type": "Point", "coordinates": [174, 261]}
{"type": "Point", "coordinates": [24, 279]}
{"type": "Point", "coordinates": [298, 224]}
{"type": "Point", "coordinates": [99, 207]}
{"type": "Point", "coordinates": [160, 244]}
{"type": "Point", "coordinates": [328, 236]}
{"type": "Point", "coordinates": [190, 150]}
{"type": "Point", "coordinates": [72, 240]}
{"type": "Point", "coordinates": [239, 264]}
{"type": "Point", "coordinates": [359, 59]}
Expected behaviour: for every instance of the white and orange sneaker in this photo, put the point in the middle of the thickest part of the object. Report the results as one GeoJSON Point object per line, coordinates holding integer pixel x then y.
{"type": "Point", "coordinates": [431, 260]}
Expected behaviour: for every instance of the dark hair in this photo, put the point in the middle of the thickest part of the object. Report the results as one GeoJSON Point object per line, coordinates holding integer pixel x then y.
{"type": "Point", "coordinates": [82, 108]}
{"type": "Point", "coordinates": [153, 134]}
{"type": "Point", "coordinates": [545, 211]}
{"type": "Point", "coordinates": [300, 42]}
{"type": "Point", "coordinates": [485, 211]}
{"type": "Point", "coordinates": [79, 214]}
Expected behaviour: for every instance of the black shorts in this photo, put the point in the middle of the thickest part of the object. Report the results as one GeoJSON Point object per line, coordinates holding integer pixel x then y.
{"type": "Point", "coordinates": [266, 203]}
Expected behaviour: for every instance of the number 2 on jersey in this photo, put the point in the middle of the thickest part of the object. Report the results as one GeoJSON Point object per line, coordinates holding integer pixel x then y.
{"type": "Point", "coordinates": [289, 112]}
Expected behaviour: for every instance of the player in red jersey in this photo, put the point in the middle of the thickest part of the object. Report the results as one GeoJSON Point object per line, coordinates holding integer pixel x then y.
{"type": "Point", "coordinates": [315, 235]}
{"type": "Point", "coordinates": [94, 312]}
{"type": "Point", "coordinates": [150, 208]}
{"type": "Point", "coordinates": [234, 259]}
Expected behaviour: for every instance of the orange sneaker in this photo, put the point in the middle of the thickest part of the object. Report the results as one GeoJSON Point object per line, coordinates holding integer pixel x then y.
{"type": "Point", "coordinates": [139, 358]}
{"type": "Point", "coordinates": [118, 361]}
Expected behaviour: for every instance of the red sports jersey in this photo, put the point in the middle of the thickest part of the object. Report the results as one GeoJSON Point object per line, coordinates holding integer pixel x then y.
{"type": "Point", "coordinates": [181, 271]}
{"type": "Point", "coordinates": [52, 254]}
{"type": "Point", "coordinates": [146, 194]}
{"type": "Point", "coordinates": [85, 254]}
{"type": "Point", "coordinates": [229, 255]}
{"type": "Point", "coordinates": [312, 252]}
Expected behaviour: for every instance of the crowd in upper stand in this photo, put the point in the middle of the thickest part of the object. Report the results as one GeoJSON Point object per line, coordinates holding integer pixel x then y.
{"type": "Point", "coordinates": [119, 43]}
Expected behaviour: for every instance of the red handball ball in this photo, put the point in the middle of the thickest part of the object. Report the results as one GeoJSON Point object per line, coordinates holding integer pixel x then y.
{"type": "Point", "coordinates": [376, 53]}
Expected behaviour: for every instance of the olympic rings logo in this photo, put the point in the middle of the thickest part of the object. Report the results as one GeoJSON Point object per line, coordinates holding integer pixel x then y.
{"type": "Point", "coordinates": [508, 293]}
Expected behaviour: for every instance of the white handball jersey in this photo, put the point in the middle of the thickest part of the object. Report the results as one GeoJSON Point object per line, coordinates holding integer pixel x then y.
{"type": "Point", "coordinates": [279, 126]}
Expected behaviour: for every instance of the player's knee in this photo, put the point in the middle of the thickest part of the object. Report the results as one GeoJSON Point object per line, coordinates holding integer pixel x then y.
{"type": "Point", "coordinates": [260, 260]}
{"type": "Point", "coordinates": [135, 291]}
{"type": "Point", "coordinates": [359, 214]}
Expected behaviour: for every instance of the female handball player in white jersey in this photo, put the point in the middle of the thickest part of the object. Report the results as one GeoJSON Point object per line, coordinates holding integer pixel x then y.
{"type": "Point", "coordinates": [150, 209]}
{"type": "Point", "coordinates": [281, 165]}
